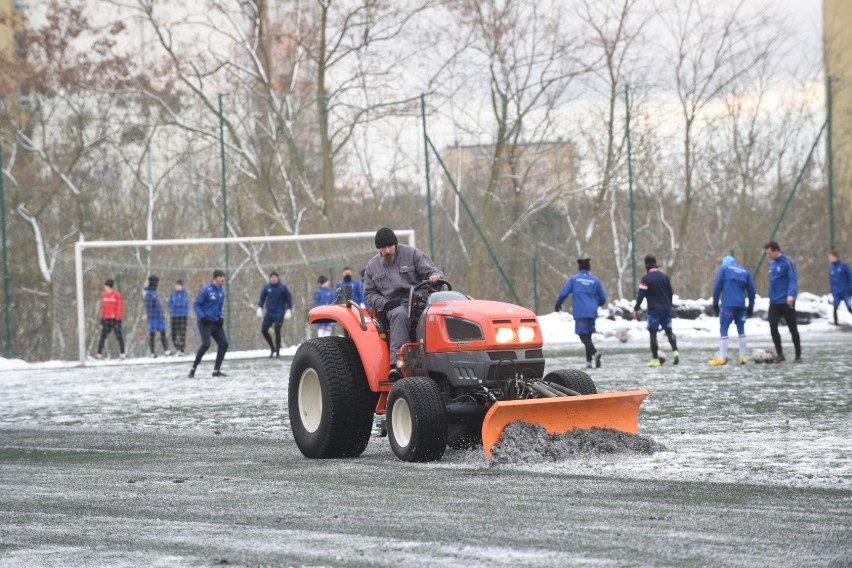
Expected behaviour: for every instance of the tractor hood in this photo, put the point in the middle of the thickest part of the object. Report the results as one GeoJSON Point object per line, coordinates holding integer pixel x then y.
{"type": "Point", "coordinates": [470, 325]}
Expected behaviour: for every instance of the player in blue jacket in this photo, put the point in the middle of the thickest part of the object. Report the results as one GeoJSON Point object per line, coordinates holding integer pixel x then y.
{"type": "Point", "coordinates": [840, 276]}
{"type": "Point", "coordinates": [323, 297]}
{"type": "Point", "coordinates": [156, 317]}
{"type": "Point", "coordinates": [211, 320]}
{"type": "Point", "coordinates": [657, 287]}
{"type": "Point", "coordinates": [357, 287]}
{"type": "Point", "coordinates": [783, 288]}
{"type": "Point", "coordinates": [734, 284]}
{"type": "Point", "coordinates": [588, 296]}
{"type": "Point", "coordinates": [178, 304]}
{"type": "Point", "coordinates": [279, 307]}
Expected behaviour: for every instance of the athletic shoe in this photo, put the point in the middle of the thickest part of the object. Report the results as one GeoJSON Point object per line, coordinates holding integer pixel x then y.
{"type": "Point", "coordinates": [278, 352]}
{"type": "Point", "coordinates": [394, 375]}
{"type": "Point", "coordinates": [153, 355]}
{"type": "Point", "coordinates": [676, 358]}
{"type": "Point", "coordinates": [192, 373]}
{"type": "Point", "coordinates": [718, 362]}
{"type": "Point", "coordinates": [655, 362]}
{"type": "Point", "coordinates": [167, 353]}
{"type": "Point", "coordinates": [598, 360]}
{"type": "Point", "coordinates": [219, 374]}
{"type": "Point", "coordinates": [272, 354]}
{"type": "Point", "coordinates": [743, 361]}
{"type": "Point", "coordinates": [180, 354]}
{"type": "Point", "coordinates": [98, 356]}
{"type": "Point", "coordinates": [777, 359]}
{"type": "Point", "coordinates": [798, 360]}
{"type": "Point", "coordinates": [588, 364]}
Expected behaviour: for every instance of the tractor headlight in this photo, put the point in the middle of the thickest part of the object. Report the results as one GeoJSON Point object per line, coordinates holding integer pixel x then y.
{"type": "Point", "coordinates": [504, 335]}
{"type": "Point", "coordinates": [526, 334]}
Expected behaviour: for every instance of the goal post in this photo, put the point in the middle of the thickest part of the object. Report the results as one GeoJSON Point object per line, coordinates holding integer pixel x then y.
{"type": "Point", "coordinates": [81, 246]}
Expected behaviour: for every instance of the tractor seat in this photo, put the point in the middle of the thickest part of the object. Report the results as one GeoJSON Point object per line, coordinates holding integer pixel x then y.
{"type": "Point", "coordinates": [446, 296]}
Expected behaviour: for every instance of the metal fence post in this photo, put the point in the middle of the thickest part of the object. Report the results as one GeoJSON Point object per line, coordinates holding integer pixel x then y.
{"type": "Point", "coordinates": [225, 215]}
{"type": "Point", "coordinates": [630, 187]}
{"type": "Point", "coordinates": [7, 298]}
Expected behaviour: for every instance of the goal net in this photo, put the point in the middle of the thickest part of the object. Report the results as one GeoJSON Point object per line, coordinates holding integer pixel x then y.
{"type": "Point", "coordinates": [247, 261]}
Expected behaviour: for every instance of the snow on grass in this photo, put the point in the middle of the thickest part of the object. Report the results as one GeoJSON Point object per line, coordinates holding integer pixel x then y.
{"type": "Point", "coordinates": [786, 425]}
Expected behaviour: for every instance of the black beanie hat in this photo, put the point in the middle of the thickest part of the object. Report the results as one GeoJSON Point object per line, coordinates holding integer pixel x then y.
{"type": "Point", "coordinates": [385, 238]}
{"type": "Point", "coordinates": [584, 263]}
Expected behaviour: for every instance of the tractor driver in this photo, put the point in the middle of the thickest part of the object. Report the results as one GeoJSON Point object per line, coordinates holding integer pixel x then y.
{"type": "Point", "coordinates": [387, 280]}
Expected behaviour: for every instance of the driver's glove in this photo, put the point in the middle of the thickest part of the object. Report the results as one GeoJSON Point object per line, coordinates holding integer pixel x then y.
{"type": "Point", "coordinates": [391, 305]}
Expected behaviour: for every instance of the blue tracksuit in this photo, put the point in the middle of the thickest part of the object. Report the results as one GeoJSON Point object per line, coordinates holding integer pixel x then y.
{"type": "Point", "coordinates": [734, 283]}
{"type": "Point", "coordinates": [657, 287]}
{"type": "Point", "coordinates": [324, 296]}
{"type": "Point", "coordinates": [153, 307]}
{"type": "Point", "coordinates": [588, 294]}
{"type": "Point", "coordinates": [840, 276]}
{"type": "Point", "coordinates": [783, 279]}
{"type": "Point", "coordinates": [277, 298]}
{"type": "Point", "coordinates": [209, 303]}
{"type": "Point", "coordinates": [357, 290]}
{"type": "Point", "coordinates": [178, 304]}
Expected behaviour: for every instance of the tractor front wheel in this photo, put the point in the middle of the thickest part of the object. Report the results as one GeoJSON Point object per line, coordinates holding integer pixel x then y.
{"type": "Point", "coordinates": [572, 379]}
{"type": "Point", "coordinates": [417, 420]}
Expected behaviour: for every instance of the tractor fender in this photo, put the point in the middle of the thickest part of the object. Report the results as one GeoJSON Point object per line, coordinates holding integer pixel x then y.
{"type": "Point", "coordinates": [372, 347]}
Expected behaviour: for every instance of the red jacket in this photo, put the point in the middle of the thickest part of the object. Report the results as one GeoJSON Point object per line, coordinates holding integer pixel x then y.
{"type": "Point", "coordinates": [113, 306]}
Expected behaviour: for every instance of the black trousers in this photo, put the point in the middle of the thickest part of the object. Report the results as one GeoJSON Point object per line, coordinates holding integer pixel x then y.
{"type": "Point", "coordinates": [776, 312]}
{"type": "Point", "coordinates": [264, 330]}
{"type": "Point", "coordinates": [218, 335]}
{"type": "Point", "coordinates": [586, 339]}
{"type": "Point", "coordinates": [179, 332]}
{"type": "Point", "coordinates": [108, 325]}
{"type": "Point", "coordinates": [655, 346]}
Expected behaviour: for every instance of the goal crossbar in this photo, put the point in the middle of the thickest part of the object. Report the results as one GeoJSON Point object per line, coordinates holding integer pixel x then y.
{"type": "Point", "coordinates": [82, 245]}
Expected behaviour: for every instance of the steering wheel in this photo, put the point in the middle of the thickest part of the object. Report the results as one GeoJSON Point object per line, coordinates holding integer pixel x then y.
{"type": "Point", "coordinates": [441, 283]}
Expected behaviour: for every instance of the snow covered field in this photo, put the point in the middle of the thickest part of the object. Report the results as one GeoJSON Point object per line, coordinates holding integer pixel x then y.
{"type": "Point", "coordinates": [131, 463]}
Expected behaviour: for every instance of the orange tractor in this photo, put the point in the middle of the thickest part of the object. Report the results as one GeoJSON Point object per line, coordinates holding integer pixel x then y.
{"type": "Point", "coordinates": [471, 368]}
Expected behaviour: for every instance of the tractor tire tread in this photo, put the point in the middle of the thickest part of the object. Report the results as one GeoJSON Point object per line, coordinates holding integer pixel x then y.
{"type": "Point", "coordinates": [573, 379]}
{"type": "Point", "coordinates": [429, 436]}
{"type": "Point", "coordinates": [348, 420]}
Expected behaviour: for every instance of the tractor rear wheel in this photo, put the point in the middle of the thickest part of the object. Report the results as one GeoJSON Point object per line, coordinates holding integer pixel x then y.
{"type": "Point", "coordinates": [572, 379]}
{"type": "Point", "coordinates": [417, 420]}
{"type": "Point", "coordinates": [330, 402]}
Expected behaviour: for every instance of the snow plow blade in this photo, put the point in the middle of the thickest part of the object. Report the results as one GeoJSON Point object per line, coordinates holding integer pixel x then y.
{"type": "Point", "coordinates": [616, 410]}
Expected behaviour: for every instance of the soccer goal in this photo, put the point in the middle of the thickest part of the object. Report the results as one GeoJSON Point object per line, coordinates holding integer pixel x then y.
{"type": "Point", "coordinates": [247, 261]}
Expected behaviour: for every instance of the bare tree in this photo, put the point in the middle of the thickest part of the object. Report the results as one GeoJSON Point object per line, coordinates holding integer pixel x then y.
{"type": "Point", "coordinates": [710, 50]}
{"type": "Point", "coordinates": [529, 65]}
{"type": "Point", "coordinates": [616, 42]}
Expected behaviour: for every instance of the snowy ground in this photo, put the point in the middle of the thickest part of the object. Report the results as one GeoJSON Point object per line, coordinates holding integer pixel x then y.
{"type": "Point", "coordinates": [130, 463]}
